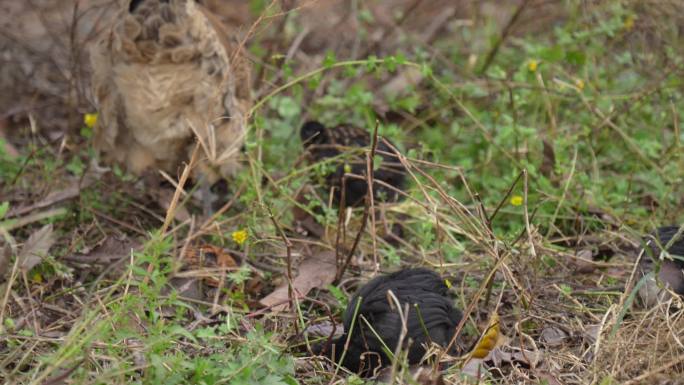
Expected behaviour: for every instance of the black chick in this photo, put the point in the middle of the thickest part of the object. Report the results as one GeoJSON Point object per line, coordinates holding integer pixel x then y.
{"type": "Point", "coordinates": [671, 272]}
{"type": "Point", "coordinates": [431, 318]}
{"type": "Point", "coordinates": [324, 142]}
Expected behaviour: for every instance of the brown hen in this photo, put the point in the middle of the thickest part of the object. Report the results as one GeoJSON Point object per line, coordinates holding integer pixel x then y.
{"type": "Point", "coordinates": [165, 73]}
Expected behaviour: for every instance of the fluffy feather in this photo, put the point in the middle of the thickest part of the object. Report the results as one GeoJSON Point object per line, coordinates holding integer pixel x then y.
{"type": "Point", "coordinates": [329, 142]}
{"type": "Point", "coordinates": [671, 273]}
{"type": "Point", "coordinates": [163, 76]}
{"type": "Point", "coordinates": [420, 287]}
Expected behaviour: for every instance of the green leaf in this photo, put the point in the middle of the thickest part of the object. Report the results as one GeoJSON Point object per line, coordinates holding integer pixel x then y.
{"type": "Point", "coordinates": [288, 108]}
{"type": "Point", "coordinates": [371, 63]}
{"type": "Point", "coordinates": [552, 54]}
{"type": "Point", "coordinates": [425, 70]}
{"type": "Point", "coordinates": [377, 162]}
{"type": "Point", "coordinates": [391, 63]}
{"type": "Point", "coordinates": [577, 58]}
{"type": "Point", "coordinates": [205, 333]}
{"type": "Point", "coordinates": [179, 330]}
{"type": "Point", "coordinates": [338, 294]}
{"type": "Point", "coordinates": [4, 208]}
{"type": "Point", "coordinates": [400, 58]}
{"type": "Point", "coordinates": [567, 290]}
{"type": "Point", "coordinates": [329, 60]}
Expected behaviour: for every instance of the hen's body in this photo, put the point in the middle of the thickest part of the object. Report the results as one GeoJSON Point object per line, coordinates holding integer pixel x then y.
{"type": "Point", "coordinates": [325, 143]}
{"type": "Point", "coordinates": [162, 76]}
{"type": "Point", "coordinates": [431, 318]}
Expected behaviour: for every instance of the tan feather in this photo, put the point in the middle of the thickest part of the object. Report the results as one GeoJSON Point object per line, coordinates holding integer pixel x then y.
{"type": "Point", "coordinates": [162, 76]}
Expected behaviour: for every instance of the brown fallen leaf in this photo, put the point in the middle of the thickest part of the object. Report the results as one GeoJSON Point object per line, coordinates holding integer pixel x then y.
{"type": "Point", "coordinates": [315, 271]}
{"type": "Point", "coordinates": [548, 378]}
{"type": "Point", "coordinates": [475, 367]}
{"type": "Point", "coordinates": [553, 336]}
{"type": "Point", "coordinates": [164, 196]}
{"type": "Point", "coordinates": [548, 161]}
{"type": "Point", "coordinates": [419, 375]}
{"type": "Point", "coordinates": [514, 356]}
{"type": "Point", "coordinates": [186, 288]}
{"type": "Point", "coordinates": [499, 357]}
{"type": "Point", "coordinates": [36, 248]}
{"type": "Point", "coordinates": [591, 333]}
{"type": "Point", "coordinates": [209, 262]}
{"type": "Point", "coordinates": [108, 251]}
{"type": "Point", "coordinates": [324, 329]}
{"type": "Point", "coordinates": [5, 254]}
{"type": "Point", "coordinates": [8, 148]}
{"type": "Point", "coordinates": [73, 191]}
{"type": "Point", "coordinates": [584, 262]}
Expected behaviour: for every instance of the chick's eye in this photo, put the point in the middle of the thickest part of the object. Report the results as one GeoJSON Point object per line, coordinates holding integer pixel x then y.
{"type": "Point", "coordinates": [210, 256]}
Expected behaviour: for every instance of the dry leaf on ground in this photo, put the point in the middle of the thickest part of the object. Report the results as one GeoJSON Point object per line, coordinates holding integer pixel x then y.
{"type": "Point", "coordinates": [36, 248]}
{"type": "Point", "coordinates": [315, 271]}
{"type": "Point", "coordinates": [553, 336]}
{"type": "Point", "coordinates": [110, 250]}
{"type": "Point", "coordinates": [73, 191]}
{"type": "Point", "coordinates": [500, 357]}
{"type": "Point", "coordinates": [5, 254]}
{"type": "Point", "coordinates": [208, 262]}
{"type": "Point", "coordinates": [324, 329]}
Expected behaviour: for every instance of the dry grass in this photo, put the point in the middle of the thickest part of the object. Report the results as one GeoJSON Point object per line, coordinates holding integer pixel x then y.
{"type": "Point", "coordinates": [557, 269]}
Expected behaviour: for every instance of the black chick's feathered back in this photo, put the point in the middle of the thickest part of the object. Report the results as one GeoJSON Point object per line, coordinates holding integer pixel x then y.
{"type": "Point", "coordinates": [431, 318]}
{"type": "Point", "coordinates": [662, 236]}
{"type": "Point", "coordinates": [671, 271]}
{"type": "Point", "coordinates": [329, 142]}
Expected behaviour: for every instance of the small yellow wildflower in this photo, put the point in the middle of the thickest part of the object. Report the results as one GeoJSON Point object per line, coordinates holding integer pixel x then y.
{"type": "Point", "coordinates": [516, 200]}
{"type": "Point", "coordinates": [579, 83]}
{"type": "Point", "coordinates": [532, 65]}
{"type": "Point", "coordinates": [37, 277]}
{"type": "Point", "coordinates": [628, 24]}
{"type": "Point", "coordinates": [347, 168]}
{"type": "Point", "coordinates": [447, 283]}
{"type": "Point", "coordinates": [90, 120]}
{"type": "Point", "coordinates": [239, 236]}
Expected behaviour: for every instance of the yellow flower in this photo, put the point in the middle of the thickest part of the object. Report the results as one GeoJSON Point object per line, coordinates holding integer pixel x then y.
{"type": "Point", "coordinates": [90, 120]}
{"type": "Point", "coordinates": [628, 24]}
{"type": "Point", "coordinates": [579, 83]}
{"type": "Point", "coordinates": [239, 236]}
{"type": "Point", "coordinates": [516, 200]}
{"type": "Point", "coordinates": [532, 65]}
{"type": "Point", "coordinates": [447, 283]}
{"type": "Point", "coordinates": [347, 168]}
{"type": "Point", "coordinates": [37, 277]}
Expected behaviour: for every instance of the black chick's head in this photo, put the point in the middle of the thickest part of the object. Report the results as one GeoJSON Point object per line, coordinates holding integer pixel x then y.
{"type": "Point", "coordinates": [312, 132]}
{"type": "Point", "coordinates": [431, 318]}
{"type": "Point", "coordinates": [324, 143]}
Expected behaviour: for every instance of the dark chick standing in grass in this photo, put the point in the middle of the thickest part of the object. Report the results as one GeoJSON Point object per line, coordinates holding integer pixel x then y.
{"type": "Point", "coordinates": [432, 318]}
{"type": "Point", "coordinates": [671, 272]}
{"type": "Point", "coordinates": [324, 143]}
